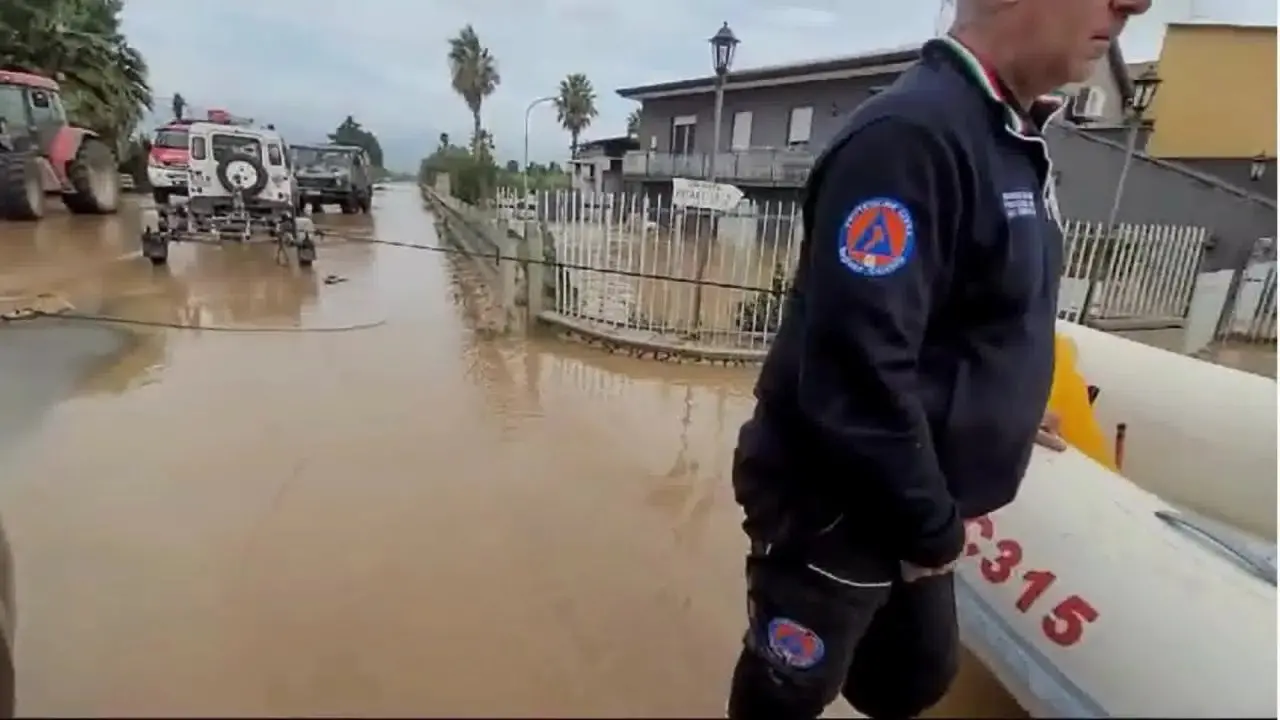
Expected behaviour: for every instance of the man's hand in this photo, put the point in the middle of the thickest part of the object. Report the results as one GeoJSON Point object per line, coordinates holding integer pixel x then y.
{"type": "Point", "coordinates": [912, 573]}
{"type": "Point", "coordinates": [1048, 436]}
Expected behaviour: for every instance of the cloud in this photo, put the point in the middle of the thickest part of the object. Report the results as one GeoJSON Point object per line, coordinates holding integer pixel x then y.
{"type": "Point", "coordinates": [306, 65]}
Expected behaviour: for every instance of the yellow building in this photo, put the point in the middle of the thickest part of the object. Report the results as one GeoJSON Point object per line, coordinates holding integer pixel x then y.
{"type": "Point", "coordinates": [1217, 100]}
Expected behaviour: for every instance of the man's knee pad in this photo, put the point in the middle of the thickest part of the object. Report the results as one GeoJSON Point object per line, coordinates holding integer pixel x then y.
{"type": "Point", "coordinates": [762, 689]}
{"type": "Point", "coordinates": [906, 696]}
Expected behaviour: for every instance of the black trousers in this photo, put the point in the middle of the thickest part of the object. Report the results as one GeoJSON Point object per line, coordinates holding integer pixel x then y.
{"type": "Point", "coordinates": [827, 618]}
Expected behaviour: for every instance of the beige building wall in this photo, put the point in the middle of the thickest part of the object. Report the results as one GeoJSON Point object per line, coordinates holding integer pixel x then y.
{"type": "Point", "coordinates": [1218, 95]}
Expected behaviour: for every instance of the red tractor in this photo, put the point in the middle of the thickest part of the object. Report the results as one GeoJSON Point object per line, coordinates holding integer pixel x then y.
{"type": "Point", "coordinates": [41, 153]}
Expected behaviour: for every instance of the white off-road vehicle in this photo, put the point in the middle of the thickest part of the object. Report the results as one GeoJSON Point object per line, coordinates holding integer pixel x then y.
{"type": "Point", "coordinates": [240, 188]}
{"type": "Point", "coordinates": [235, 168]}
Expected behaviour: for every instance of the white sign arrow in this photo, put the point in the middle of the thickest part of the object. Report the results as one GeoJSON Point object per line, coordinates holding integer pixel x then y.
{"type": "Point", "coordinates": [705, 195]}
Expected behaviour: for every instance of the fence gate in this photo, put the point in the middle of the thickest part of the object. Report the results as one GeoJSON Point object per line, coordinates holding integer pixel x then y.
{"type": "Point", "coordinates": [1141, 272]}
{"type": "Point", "coordinates": [644, 267]}
{"type": "Point", "coordinates": [1252, 316]}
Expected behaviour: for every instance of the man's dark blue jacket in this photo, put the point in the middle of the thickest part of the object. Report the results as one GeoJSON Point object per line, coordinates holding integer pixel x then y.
{"type": "Point", "coordinates": [915, 357]}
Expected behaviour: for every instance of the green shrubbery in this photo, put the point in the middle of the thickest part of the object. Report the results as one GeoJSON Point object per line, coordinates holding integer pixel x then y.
{"type": "Point", "coordinates": [475, 178]}
{"type": "Point", "coordinates": [761, 312]}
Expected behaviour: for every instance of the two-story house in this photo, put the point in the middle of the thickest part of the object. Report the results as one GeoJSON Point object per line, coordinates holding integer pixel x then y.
{"type": "Point", "coordinates": [776, 119]}
{"type": "Point", "coordinates": [597, 168]}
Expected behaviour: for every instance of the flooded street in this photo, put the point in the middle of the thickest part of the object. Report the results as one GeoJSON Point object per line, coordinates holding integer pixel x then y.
{"type": "Point", "coordinates": [412, 519]}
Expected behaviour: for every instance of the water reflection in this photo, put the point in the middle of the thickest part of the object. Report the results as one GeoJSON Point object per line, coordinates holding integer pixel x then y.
{"type": "Point", "coordinates": [38, 255]}
{"type": "Point", "coordinates": [488, 358]}
{"type": "Point", "coordinates": [239, 285]}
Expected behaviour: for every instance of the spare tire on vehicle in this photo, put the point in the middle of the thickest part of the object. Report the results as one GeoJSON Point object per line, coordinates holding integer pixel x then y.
{"type": "Point", "coordinates": [248, 169]}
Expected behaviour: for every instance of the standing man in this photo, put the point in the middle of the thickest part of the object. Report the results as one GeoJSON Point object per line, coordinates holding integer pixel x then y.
{"type": "Point", "coordinates": [911, 374]}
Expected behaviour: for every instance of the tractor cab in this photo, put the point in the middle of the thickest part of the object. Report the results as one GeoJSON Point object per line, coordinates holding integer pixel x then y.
{"type": "Point", "coordinates": [31, 111]}
{"type": "Point", "coordinates": [40, 152]}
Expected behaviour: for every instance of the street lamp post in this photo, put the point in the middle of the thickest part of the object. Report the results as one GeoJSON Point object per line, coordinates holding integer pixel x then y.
{"type": "Point", "coordinates": [1144, 91]}
{"type": "Point", "coordinates": [1258, 168]}
{"type": "Point", "coordinates": [524, 169]}
{"type": "Point", "coordinates": [723, 45]}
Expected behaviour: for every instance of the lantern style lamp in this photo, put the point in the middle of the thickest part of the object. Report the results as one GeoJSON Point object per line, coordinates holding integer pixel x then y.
{"type": "Point", "coordinates": [723, 44]}
{"type": "Point", "coordinates": [1259, 167]}
{"type": "Point", "coordinates": [1144, 91]}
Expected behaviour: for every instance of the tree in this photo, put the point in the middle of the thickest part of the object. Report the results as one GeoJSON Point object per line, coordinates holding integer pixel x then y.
{"type": "Point", "coordinates": [633, 123]}
{"type": "Point", "coordinates": [444, 141]}
{"type": "Point", "coordinates": [474, 74]}
{"type": "Point", "coordinates": [80, 44]}
{"type": "Point", "coordinates": [179, 106]}
{"type": "Point", "coordinates": [575, 107]}
{"type": "Point", "coordinates": [350, 132]}
{"type": "Point", "coordinates": [513, 166]}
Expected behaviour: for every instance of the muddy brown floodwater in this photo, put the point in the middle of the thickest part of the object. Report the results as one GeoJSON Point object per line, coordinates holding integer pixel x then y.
{"type": "Point", "coordinates": [403, 521]}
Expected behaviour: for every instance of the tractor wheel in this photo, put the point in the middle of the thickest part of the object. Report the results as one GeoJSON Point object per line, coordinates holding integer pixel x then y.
{"type": "Point", "coordinates": [350, 205]}
{"type": "Point", "coordinates": [95, 183]}
{"type": "Point", "coordinates": [21, 193]}
{"type": "Point", "coordinates": [366, 204]}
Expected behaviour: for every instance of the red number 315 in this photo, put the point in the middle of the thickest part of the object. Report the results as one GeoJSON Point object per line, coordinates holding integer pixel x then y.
{"type": "Point", "coordinates": [1065, 624]}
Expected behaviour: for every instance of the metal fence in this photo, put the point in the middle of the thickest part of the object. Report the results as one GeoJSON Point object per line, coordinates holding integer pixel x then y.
{"type": "Point", "coordinates": [1141, 273]}
{"type": "Point", "coordinates": [1251, 314]}
{"type": "Point", "coordinates": [639, 265]}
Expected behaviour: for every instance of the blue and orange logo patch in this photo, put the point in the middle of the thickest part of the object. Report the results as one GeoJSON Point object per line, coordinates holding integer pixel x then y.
{"type": "Point", "coordinates": [795, 644]}
{"type": "Point", "coordinates": [877, 238]}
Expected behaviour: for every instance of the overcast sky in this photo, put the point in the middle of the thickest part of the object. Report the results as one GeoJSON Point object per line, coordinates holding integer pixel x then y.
{"type": "Point", "coordinates": [306, 64]}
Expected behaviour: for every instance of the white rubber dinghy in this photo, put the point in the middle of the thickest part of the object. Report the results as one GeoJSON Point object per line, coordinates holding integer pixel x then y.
{"type": "Point", "coordinates": [1086, 603]}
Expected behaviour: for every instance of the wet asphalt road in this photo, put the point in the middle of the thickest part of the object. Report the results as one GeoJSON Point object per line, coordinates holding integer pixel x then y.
{"type": "Point", "coordinates": [414, 519]}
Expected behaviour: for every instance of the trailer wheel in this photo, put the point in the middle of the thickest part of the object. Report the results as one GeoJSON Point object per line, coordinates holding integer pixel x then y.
{"type": "Point", "coordinates": [155, 247]}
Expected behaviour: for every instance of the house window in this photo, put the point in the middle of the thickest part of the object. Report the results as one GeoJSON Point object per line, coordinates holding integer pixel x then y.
{"type": "Point", "coordinates": [741, 138]}
{"type": "Point", "coordinates": [684, 134]}
{"type": "Point", "coordinates": [1089, 103]}
{"type": "Point", "coordinates": [799, 127]}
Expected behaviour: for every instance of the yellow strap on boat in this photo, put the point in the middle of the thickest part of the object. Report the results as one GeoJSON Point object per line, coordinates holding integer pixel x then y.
{"type": "Point", "coordinates": [1070, 400]}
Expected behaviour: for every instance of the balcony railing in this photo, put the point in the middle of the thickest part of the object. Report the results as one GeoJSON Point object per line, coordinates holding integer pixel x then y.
{"type": "Point", "coordinates": [762, 167]}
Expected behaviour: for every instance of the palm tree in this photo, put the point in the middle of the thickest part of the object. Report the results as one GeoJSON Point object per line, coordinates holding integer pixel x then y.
{"type": "Point", "coordinates": [576, 106]}
{"type": "Point", "coordinates": [179, 106]}
{"type": "Point", "coordinates": [80, 44]}
{"type": "Point", "coordinates": [475, 75]}
{"type": "Point", "coordinates": [633, 123]}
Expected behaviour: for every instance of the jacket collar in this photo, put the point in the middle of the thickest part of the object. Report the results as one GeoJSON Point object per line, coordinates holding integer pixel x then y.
{"type": "Point", "coordinates": [1020, 122]}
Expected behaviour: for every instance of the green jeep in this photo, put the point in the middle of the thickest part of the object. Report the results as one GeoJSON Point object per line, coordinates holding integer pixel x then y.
{"type": "Point", "coordinates": [333, 175]}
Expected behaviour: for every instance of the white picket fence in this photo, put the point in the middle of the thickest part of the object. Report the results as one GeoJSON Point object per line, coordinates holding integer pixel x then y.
{"type": "Point", "coordinates": [634, 264]}
{"type": "Point", "coordinates": [1145, 273]}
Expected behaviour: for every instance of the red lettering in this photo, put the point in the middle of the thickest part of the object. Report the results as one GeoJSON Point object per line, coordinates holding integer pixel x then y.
{"type": "Point", "coordinates": [1065, 624]}
{"type": "Point", "coordinates": [1001, 568]}
{"type": "Point", "coordinates": [986, 531]}
{"type": "Point", "coordinates": [986, 528]}
{"type": "Point", "coordinates": [1037, 581]}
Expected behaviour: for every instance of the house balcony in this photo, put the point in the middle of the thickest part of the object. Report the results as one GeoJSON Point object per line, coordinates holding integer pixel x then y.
{"type": "Point", "coordinates": [770, 168]}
